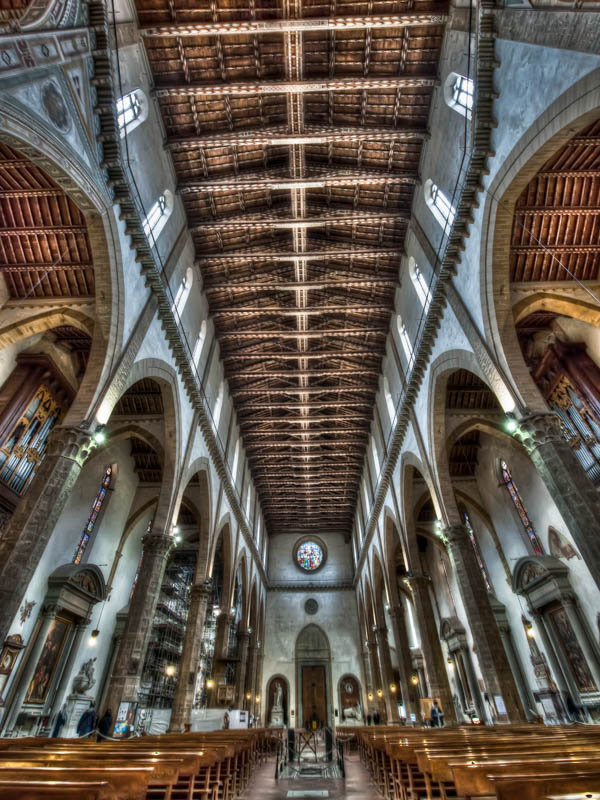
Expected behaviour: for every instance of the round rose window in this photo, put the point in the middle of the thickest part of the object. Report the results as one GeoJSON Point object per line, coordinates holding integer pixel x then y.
{"type": "Point", "coordinates": [309, 556]}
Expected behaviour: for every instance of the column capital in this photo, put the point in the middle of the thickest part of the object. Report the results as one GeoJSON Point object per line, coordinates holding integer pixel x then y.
{"type": "Point", "coordinates": [456, 533]}
{"type": "Point", "coordinates": [537, 429]}
{"type": "Point", "coordinates": [243, 636]}
{"type": "Point", "coordinates": [201, 591]}
{"type": "Point", "coordinates": [225, 616]}
{"type": "Point", "coordinates": [395, 611]}
{"type": "Point", "coordinates": [380, 631]}
{"type": "Point", "coordinates": [70, 442]}
{"type": "Point", "coordinates": [157, 543]}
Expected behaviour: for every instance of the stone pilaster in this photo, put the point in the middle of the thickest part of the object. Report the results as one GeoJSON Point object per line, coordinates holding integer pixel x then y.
{"type": "Point", "coordinates": [495, 667]}
{"type": "Point", "coordinates": [387, 674]}
{"type": "Point", "coordinates": [435, 668]}
{"type": "Point", "coordinates": [223, 626]}
{"type": "Point", "coordinates": [124, 682]}
{"type": "Point", "coordinates": [186, 684]}
{"type": "Point", "coordinates": [251, 676]}
{"type": "Point", "coordinates": [409, 692]}
{"type": "Point", "coordinates": [24, 540]}
{"type": "Point", "coordinates": [566, 480]}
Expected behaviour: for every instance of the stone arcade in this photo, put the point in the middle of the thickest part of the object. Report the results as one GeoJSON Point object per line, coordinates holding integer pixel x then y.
{"type": "Point", "coordinates": [299, 366]}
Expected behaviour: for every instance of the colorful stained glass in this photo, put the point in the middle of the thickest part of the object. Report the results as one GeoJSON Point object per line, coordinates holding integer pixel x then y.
{"type": "Point", "coordinates": [309, 556]}
{"type": "Point", "coordinates": [93, 517]}
{"type": "Point", "coordinates": [478, 554]}
{"type": "Point", "coordinates": [521, 510]}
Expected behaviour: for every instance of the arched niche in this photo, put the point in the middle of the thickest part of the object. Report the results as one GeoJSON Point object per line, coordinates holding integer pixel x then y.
{"type": "Point", "coordinates": [349, 698]}
{"type": "Point", "coordinates": [563, 630]}
{"type": "Point", "coordinates": [313, 677]}
{"type": "Point", "coordinates": [278, 702]}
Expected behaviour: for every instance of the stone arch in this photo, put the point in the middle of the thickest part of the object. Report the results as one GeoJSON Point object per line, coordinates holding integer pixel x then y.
{"type": "Point", "coordinates": [269, 698]}
{"type": "Point", "coordinates": [564, 306]}
{"type": "Point", "coordinates": [572, 111]}
{"type": "Point", "coordinates": [224, 534]}
{"type": "Point", "coordinates": [32, 137]}
{"type": "Point", "coordinates": [40, 323]}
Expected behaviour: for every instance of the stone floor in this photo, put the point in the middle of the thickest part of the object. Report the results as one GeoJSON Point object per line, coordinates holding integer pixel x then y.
{"type": "Point", "coordinates": [356, 786]}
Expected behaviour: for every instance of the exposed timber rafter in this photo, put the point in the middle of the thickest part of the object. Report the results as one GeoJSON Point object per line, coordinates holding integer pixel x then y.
{"type": "Point", "coordinates": [345, 23]}
{"type": "Point", "coordinates": [279, 135]}
{"type": "Point", "coordinates": [283, 223]}
{"type": "Point", "coordinates": [315, 179]}
{"type": "Point", "coordinates": [250, 88]}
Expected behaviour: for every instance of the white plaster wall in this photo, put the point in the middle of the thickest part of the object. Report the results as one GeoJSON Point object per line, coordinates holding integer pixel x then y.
{"type": "Point", "coordinates": [338, 566]}
{"type": "Point", "coordinates": [285, 619]}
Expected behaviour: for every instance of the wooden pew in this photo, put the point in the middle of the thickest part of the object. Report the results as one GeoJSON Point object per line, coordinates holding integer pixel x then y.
{"type": "Point", "coordinates": [55, 790]}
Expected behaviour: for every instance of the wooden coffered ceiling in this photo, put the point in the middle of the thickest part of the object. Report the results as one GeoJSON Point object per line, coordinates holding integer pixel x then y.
{"type": "Point", "coordinates": [44, 246]}
{"type": "Point", "coordinates": [296, 130]}
{"type": "Point", "coordinates": [556, 228]}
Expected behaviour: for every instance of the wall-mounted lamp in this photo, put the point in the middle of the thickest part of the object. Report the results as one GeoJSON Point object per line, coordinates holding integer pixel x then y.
{"type": "Point", "coordinates": [257, 699]}
{"type": "Point", "coordinates": [415, 680]}
{"type": "Point", "coordinates": [450, 663]}
{"type": "Point", "coordinates": [170, 670]}
{"type": "Point", "coordinates": [511, 423]}
{"type": "Point", "coordinates": [393, 688]}
{"type": "Point", "coordinates": [380, 693]}
{"type": "Point", "coordinates": [93, 637]}
{"type": "Point", "coordinates": [530, 630]}
{"type": "Point", "coordinates": [210, 684]}
{"type": "Point", "coordinates": [100, 434]}
{"type": "Point", "coordinates": [370, 696]}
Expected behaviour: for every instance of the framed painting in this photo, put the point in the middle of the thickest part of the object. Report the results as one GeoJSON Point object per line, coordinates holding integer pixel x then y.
{"type": "Point", "coordinates": [48, 661]}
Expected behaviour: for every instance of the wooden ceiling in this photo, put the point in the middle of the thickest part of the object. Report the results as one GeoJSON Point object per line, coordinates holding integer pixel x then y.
{"type": "Point", "coordinates": [556, 228]}
{"type": "Point", "coordinates": [44, 245]}
{"type": "Point", "coordinates": [296, 131]}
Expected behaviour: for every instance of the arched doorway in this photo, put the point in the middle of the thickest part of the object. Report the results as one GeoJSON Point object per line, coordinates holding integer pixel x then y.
{"type": "Point", "coordinates": [313, 677]}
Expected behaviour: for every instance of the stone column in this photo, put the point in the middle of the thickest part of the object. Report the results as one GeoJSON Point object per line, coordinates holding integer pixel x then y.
{"type": "Point", "coordinates": [376, 678]}
{"type": "Point", "coordinates": [566, 480]}
{"type": "Point", "coordinates": [24, 540]}
{"type": "Point", "coordinates": [124, 682]}
{"type": "Point", "coordinates": [261, 706]}
{"type": "Point", "coordinates": [435, 667]}
{"type": "Point", "coordinates": [251, 677]}
{"type": "Point", "coordinates": [190, 654]}
{"type": "Point", "coordinates": [493, 661]}
{"type": "Point", "coordinates": [47, 618]}
{"type": "Point", "coordinates": [387, 673]}
{"type": "Point", "coordinates": [410, 695]}
{"type": "Point", "coordinates": [223, 626]}
{"type": "Point", "coordinates": [240, 678]}
{"type": "Point", "coordinates": [523, 687]}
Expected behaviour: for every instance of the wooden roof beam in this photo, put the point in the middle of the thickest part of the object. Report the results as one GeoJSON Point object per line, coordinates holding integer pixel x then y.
{"type": "Point", "coordinates": [309, 311]}
{"type": "Point", "coordinates": [253, 88]}
{"type": "Point", "coordinates": [301, 373]}
{"type": "Point", "coordinates": [314, 179]}
{"type": "Point", "coordinates": [324, 253]}
{"type": "Point", "coordinates": [292, 286]}
{"type": "Point", "coordinates": [279, 135]}
{"type": "Point", "coordinates": [264, 436]}
{"type": "Point", "coordinates": [276, 221]}
{"type": "Point", "coordinates": [346, 23]}
{"type": "Point", "coordinates": [310, 334]}
{"type": "Point", "coordinates": [352, 417]}
{"type": "Point", "coordinates": [302, 445]}
{"type": "Point", "coordinates": [307, 390]}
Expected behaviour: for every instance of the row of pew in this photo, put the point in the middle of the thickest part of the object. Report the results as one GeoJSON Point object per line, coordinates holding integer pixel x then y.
{"type": "Point", "coordinates": [216, 765]}
{"type": "Point", "coordinates": [529, 762]}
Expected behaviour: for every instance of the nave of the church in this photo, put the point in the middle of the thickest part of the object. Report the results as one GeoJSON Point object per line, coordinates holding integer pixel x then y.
{"type": "Point", "coordinates": [299, 399]}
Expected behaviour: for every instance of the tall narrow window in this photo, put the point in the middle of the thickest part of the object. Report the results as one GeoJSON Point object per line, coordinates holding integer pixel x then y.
{"type": "Point", "coordinates": [218, 405]}
{"type": "Point", "coordinates": [458, 93]}
{"type": "Point", "coordinates": [375, 457]}
{"type": "Point", "coordinates": [515, 495]}
{"type": "Point", "coordinates": [236, 455]}
{"type": "Point", "coordinates": [405, 339]}
{"type": "Point", "coordinates": [158, 215]}
{"type": "Point", "coordinates": [441, 208]}
{"type": "Point", "coordinates": [183, 292]}
{"type": "Point", "coordinates": [132, 110]}
{"type": "Point", "coordinates": [199, 343]}
{"type": "Point", "coordinates": [478, 554]}
{"type": "Point", "coordinates": [420, 284]}
{"type": "Point", "coordinates": [389, 401]}
{"type": "Point", "coordinates": [93, 515]}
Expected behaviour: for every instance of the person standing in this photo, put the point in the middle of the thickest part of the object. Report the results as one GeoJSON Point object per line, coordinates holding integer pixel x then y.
{"type": "Point", "coordinates": [87, 721]}
{"type": "Point", "coordinates": [60, 720]}
{"type": "Point", "coordinates": [376, 718]}
{"type": "Point", "coordinates": [104, 725]}
{"type": "Point", "coordinates": [437, 716]}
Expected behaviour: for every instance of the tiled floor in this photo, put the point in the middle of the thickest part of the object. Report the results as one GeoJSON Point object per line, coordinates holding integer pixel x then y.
{"type": "Point", "coordinates": [356, 786]}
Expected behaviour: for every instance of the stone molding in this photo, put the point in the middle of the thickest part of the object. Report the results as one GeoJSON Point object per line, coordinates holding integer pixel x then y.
{"type": "Point", "coordinates": [536, 430]}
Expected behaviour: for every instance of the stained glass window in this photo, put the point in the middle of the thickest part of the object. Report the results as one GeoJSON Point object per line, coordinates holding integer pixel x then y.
{"type": "Point", "coordinates": [521, 510]}
{"type": "Point", "coordinates": [93, 517]}
{"type": "Point", "coordinates": [309, 556]}
{"type": "Point", "coordinates": [478, 554]}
